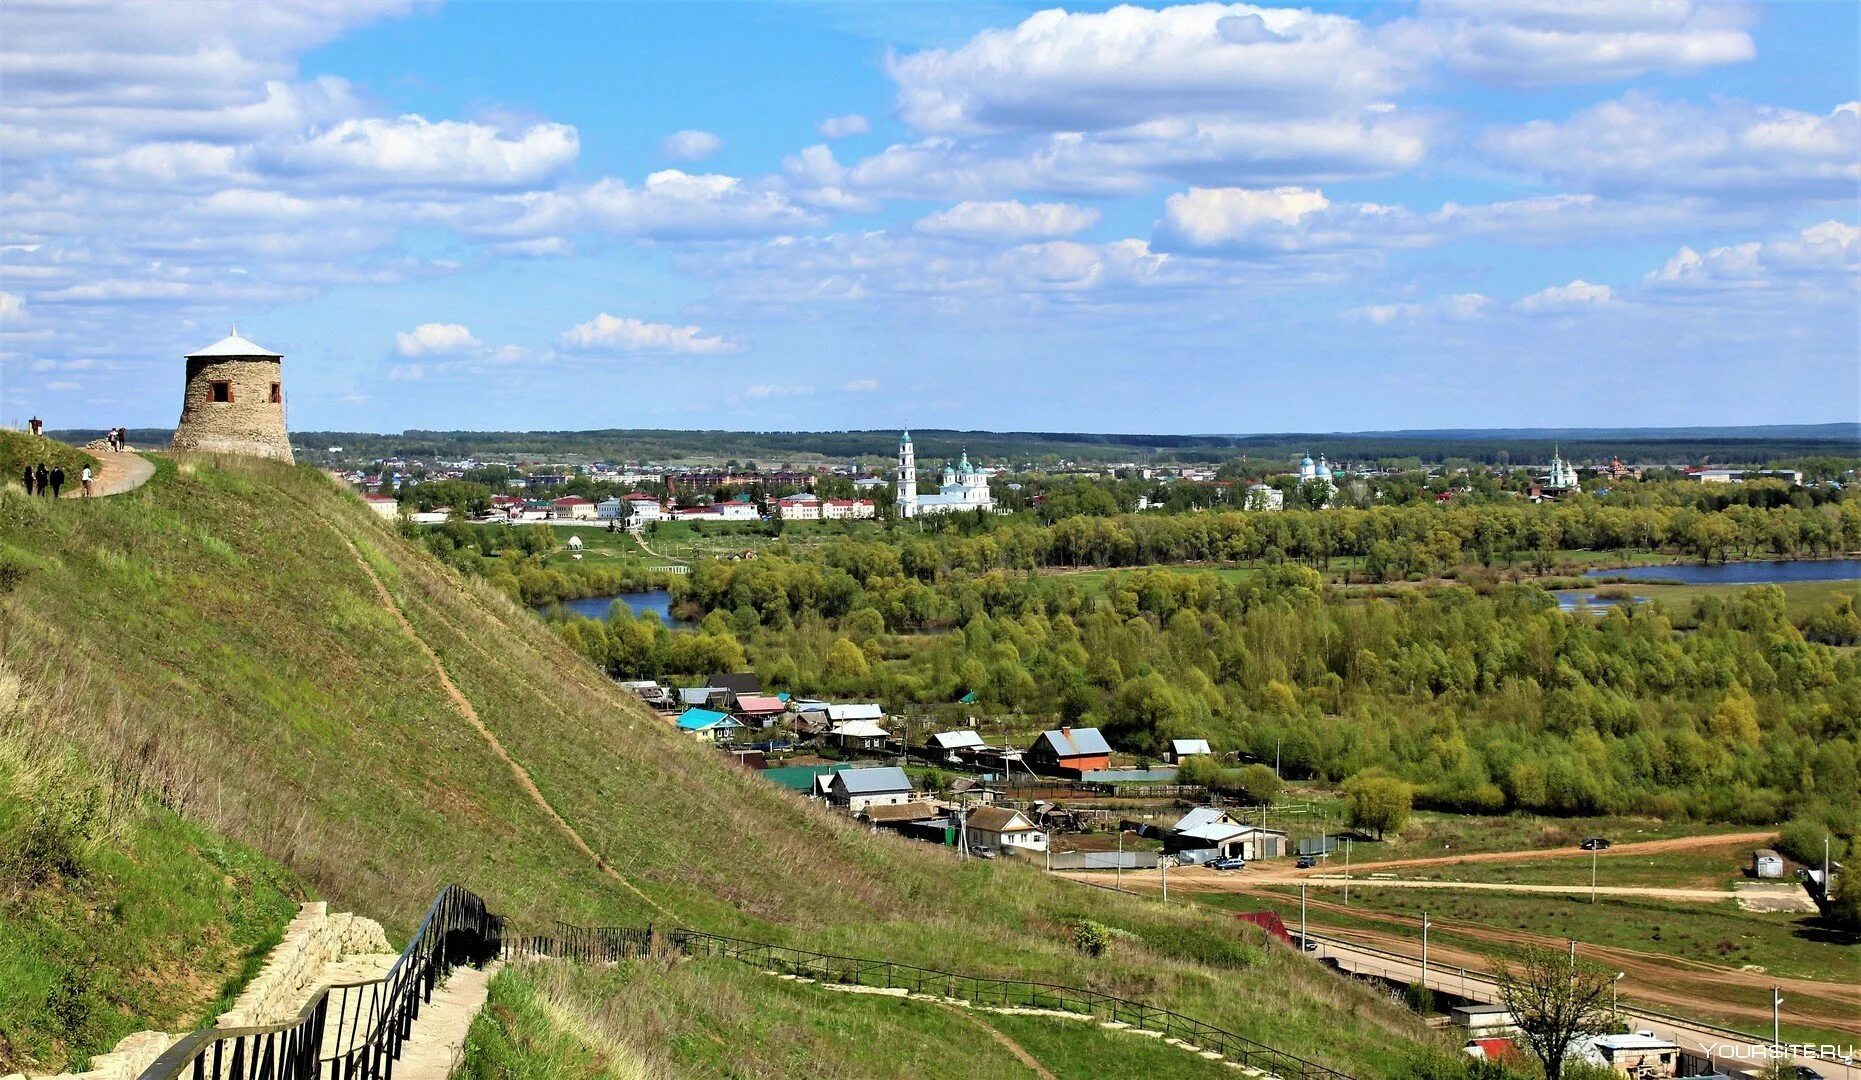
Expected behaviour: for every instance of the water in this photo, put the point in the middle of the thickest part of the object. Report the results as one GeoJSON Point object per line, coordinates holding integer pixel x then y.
{"type": "Point", "coordinates": [657, 601]}
{"type": "Point", "coordinates": [1568, 600]}
{"type": "Point", "coordinates": [1741, 573]}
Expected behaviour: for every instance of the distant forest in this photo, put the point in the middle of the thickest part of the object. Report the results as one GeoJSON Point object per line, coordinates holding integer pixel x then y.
{"type": "Point", "coordinates": [1657, 446]}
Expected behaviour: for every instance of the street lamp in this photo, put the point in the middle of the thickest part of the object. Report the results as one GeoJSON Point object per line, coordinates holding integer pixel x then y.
{"type": "Point", "coordinates": [1424, 950]}
{"type": "Point", "coordinates": [1617, 1013]}
{"type": "Point", "coordinates": [1776, 1022]}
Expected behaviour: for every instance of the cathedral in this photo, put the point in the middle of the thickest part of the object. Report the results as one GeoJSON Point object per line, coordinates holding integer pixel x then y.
{"type": "Point", "coordinates": [964, 486]}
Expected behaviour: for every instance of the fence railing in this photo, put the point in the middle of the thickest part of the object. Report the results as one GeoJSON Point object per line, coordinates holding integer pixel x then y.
{"type": "Point", "coordinates": [352, 1031]}
{"type": "Point", "coordinates": [613, 944]}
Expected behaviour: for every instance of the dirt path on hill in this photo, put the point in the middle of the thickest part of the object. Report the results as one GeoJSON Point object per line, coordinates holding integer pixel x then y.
{"type": "Point", "coordinates": [463, 706]}
{"type": "Point", "coordinates": [1640, 847]}
{"type": "Point", "coordinates": [115, 474]}
{"type": "Point", "coordinates": [1000, 1036]}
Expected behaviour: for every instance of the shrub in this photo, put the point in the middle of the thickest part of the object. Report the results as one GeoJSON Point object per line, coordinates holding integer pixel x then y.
{"type": "Point", "coordinates": [1089, 937]}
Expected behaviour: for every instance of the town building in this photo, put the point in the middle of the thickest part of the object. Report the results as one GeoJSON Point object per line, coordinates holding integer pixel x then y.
{"type": "Point", "coordinates": [1070, 752]}
{"type": "Point", "coordinates": [233, 401]}
{"type": "Point", "coordinates": [386, 506]}
{"type": "Point", "coordinates": [1563, 476]}
{"type": "Point", "coordinates": [800, 507]}
{"type": "Point", "coordinates": [1637, 1054]}
{"type": "Point", "coordinates": [1262, 497]}
{"type": "Point", "coordinates": [964, 486]}
{"type": "Point", "coordinates": [1319, 471]}
{"type": "Point", "coordinates": [573, 508]}
{"type": "Point", "coordinates": [708, 725]}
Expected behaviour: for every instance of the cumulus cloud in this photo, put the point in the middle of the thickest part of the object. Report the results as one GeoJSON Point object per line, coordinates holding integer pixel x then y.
{"type": "Point", "coordinates": [839, 127]}
{"type": "Point", "coordinates": [1577, 296]}
{"type": "Point", "coordinates": [1283, 219]}
{"type": "Point", "coordinates": [1009, 221]}
{"type": "Point", "coordinates": [690, 145]}
{"type": "Point", "coordinates": [1061, 71]}
{"type": "Point", "coordinates": [1642, 143]}
{"type": "Point", "coordinates": [12, 308]}
{"type": "Point", "coordinates": [669, 205]}
{"type": "Point", "coordinates": [414, 150]}
{"type": "Point", "coordinates": [436, 339]}
{"type": "Point", "coordinates": [608, 334]}
{"type": "Point", "coordinates": [1829, 253]}
{"type": "Point", "coordinates": [1547, 42]}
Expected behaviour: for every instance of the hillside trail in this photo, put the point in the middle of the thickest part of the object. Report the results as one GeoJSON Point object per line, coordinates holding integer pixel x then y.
{"type": "Point", "coordinates": [116, 473]}
{"type": "Point", "coordinates": [1639, 847]}
{"type": "Point", "coordinates": [437, 1045]}
{"type": "Point", "coordinates": [463, 706]}
{"type": "Point", "coordinates": [1020, 1052]}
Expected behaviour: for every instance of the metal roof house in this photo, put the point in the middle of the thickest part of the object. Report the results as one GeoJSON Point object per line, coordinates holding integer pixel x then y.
{"type": "Point", "coordinates": [1070, 751]}
{"type": "Point", "coordinates": [953, 746]}
{"type": "Point", "coordinates": [859, 735]}
{"type": "Point", "coordinates": [1001, 827]}
{"type": "Point", "coordinates": [1184, 748]}
{"type": "Point", "coordinates": [707, 724]}
{"type": "Point", "coordinates": [1207, 829]}
{"type": "Point", "coordinates": [857, 789]}
{"type": "Point", "coordinates": [856, 711]}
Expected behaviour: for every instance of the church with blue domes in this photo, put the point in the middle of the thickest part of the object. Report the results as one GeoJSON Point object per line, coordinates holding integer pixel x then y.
{"type": "Point", "coordinates": [964, 486]}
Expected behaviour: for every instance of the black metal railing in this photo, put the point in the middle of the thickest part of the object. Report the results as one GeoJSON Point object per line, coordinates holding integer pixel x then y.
{"type": "Point", "coordinates": [613, 944]}
{"type": "Point", "coordinates": [352, 1031]}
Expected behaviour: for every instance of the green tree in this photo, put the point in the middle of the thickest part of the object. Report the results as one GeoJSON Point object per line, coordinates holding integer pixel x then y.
{"type": "Point", "coordinates": [1374, 800]}
{"type": "Point", "coordinates": [1259, 783]}
{"type": "Point", "coordinates": [1555, 1000]}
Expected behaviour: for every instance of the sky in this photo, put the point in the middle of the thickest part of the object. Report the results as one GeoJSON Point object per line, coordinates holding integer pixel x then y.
{"type": "Point", "coordinates": [1209, 218]}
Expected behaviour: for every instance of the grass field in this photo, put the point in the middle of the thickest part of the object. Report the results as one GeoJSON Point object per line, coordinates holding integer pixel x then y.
{"type": "Point", "coordinates": [18, 450]}
{"type": "Point", "coordinates": [217, 637]}
{"type": "Point", "coordinates": [1801, 598]}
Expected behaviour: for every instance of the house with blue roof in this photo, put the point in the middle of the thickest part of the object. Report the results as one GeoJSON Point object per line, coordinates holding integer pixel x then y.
{"type": "Point", "coordinates": [708, 725]}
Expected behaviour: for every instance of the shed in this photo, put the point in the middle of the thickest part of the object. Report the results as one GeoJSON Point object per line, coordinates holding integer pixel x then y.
{"type": "Point", "coordinates": [1188, 748]}
{"type": "Point", "coordinates": [1766, 863]}
{"type": "Point", "coordinates": [737, 682]}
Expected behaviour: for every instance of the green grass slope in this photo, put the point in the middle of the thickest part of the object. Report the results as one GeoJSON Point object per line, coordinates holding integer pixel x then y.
{"type": "Point", "coordinates": [19, 450]}
{"type": "Point", "coordinates": [217, 637]}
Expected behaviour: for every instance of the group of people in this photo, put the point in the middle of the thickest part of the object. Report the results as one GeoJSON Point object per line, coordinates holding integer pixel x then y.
{"type": "Point", "coordinates": [118, 438]}
{"type": "Point", "coordinates": [44, 481]}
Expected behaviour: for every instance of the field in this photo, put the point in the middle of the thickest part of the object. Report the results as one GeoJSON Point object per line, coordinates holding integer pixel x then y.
{"type": "Point", "coordinates": [17, 451]}
{"type": "Point", "coordinates": [247, 644]}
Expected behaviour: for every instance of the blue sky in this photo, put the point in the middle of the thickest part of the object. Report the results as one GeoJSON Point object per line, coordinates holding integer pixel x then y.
{"type": "Point", "coordinates": [1206, 218]}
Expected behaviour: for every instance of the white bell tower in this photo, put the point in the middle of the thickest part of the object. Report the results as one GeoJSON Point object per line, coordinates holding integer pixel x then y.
{"type": "Point", "coordinates": [906, 486]}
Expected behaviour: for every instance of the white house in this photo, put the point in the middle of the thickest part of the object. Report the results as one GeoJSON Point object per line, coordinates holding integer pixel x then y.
{"type": "Point", "coordinates": [801, 507]}
{"type": "Point", "coordinates": [741, 508]}
{"type": "Point", "coordinates": [611, 509]}
{"type": "Point", "coordinates": [1262, 497]}
{"type": "Point", "coordinates": [847, 509]}
{"type": "Point", "coordinates": [1002, 827]}
{"type": "Point", "coordinates": [641, 507]}
{"type": "Point", "coordinates": [386, 506]}
{"type": "Point", "coordinates": [951, 745]}
{"type": "Point", "coordinates": [859, 735]}
{"type": "Point", "coordinates": [1208, 829]}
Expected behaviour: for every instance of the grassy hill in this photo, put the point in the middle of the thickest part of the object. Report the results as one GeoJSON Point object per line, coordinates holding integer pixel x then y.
{"type": "Point", "coordinates": [264, 676]}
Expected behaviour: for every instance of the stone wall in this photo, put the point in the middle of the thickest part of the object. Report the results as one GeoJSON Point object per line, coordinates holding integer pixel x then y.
{"type": "Point", "coordinates": [251, 423]}
{"type": "Point", "coordinates": [296, 968]}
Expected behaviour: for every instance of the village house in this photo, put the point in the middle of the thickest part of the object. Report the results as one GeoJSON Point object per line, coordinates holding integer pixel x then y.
{"type": "Point", "coordinates": [952, 747]}
{"type": "Point", "coordinates": [857, 789]}
{"type": "Point", "coordinates": [737, 682]}
{"type": "Point", "coordinates": [702, 696]}
{"type": "Point", "coordinates": [1207, 833]}
{"type": "Point", "coordinates": [573, 508]}
{"type": "Point", "coordinates": [659, 697]}
{"type": "Point", "coordinates": [858, 735]}
{"type": "Point", "coordinates": [1187, 748]}
{"type": "Point", "coordinates": [848, 509]}
{"type": "Point", "coordinates": [1637, 1054]}
{"type": "Point", "coordinates": [386, 506]}
{"type": "Point", "coordinates": [708, 725]}
{"type": "Point", "coordinates": [1069, 752]}
{"type": "Point", "coordinates": [758, 710]}
{"type": "Point", "coordinates": [1002, 827]}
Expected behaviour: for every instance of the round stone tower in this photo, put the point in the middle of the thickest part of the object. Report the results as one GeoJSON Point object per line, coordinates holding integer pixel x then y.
{"type": "Point", "coordinates": [234, 402]}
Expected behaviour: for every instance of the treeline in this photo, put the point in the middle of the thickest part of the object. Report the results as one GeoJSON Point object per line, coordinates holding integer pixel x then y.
{"type": "Point", "coordinates": [511, 559]}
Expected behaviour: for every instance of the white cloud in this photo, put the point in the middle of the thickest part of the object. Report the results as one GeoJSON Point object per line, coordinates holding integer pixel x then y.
{"type": "Point", "coordinates": [1009, 221]}
{"type": "Point", "coordinates": [1548, 42]}
{"type": "Point", "coordinates": [670, 205]}
{"type": "Point", "coordinates": [436, 339]}
{"type": "Point", "coordinates": [690, 145]}
{"type": "Point", "coordinates": [607, 334]}
{"type": "Point", "coordinates": [1641, 143]}
{"type": "Point", "coordinates": [839, 127]}
{"type": "Point", "coordinates": [765, 390]}
{"type": "Point", "coordinates": [861, 386]}
{"type": "Point", "coordinates": [1826, 253]}
{"type": "Point", "coordinates": [445, 153]}
{"type": "Point", "coordinates": [1459, 307]}
{"type": "Point", "coordinates": [12, 308]}
{"type": "Point", "coordinates": [1284, 219]}
{"type": "Point", "coordinates": [1060, 71]}
{"type": "Point", "coordinates": [1579, 295]}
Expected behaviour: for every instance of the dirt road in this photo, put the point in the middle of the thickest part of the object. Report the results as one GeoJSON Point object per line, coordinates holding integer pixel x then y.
{"type": "Point", "coordinates": [1641, 847]}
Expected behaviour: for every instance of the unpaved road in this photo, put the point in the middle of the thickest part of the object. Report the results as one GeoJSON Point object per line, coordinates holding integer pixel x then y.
{"type": "Point", "coordinates": [1640, 847]}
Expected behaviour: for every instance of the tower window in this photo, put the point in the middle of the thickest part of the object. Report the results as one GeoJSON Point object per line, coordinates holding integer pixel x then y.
{"type": "Point", "coordinates": [222, 392]}
{"type": "Point", "coordinates": [277, 393]}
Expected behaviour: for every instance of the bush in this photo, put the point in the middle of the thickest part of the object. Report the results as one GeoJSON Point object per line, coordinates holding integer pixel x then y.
{"type": "Point", "coordinates": [1801, 839]}
{"type": "Point", "coordinates": [1089, 937]}
{"type": "Point", "coordinates": [1419, 998]}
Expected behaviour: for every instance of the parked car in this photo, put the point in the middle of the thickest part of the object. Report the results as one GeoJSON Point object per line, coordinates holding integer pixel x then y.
{"type": "Point", "coordinates": [1596, 843]}
{"type": "Point", "coordinates": [1306, 862]}
{"type": "Point", "coordinates": [1232, 862]}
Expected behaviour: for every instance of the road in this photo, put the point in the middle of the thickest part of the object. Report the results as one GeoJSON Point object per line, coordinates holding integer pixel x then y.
{"type": "Point", "coordinates": [1287, 872]}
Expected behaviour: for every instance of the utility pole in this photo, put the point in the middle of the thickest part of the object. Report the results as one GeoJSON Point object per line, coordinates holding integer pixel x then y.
{"type": "Point", "coordinates": [1592, 875]}
{"type": "Point", "coordinates": [1424, 950]}
{"type": "Point", "coordinates": [1164, 866]}
{"type": "Point", "coordinates": [1347, 871]}
{"type": "Point", "coordinates": [1305, 938]}
{"type": "Point", "coordinates": [1276, 745]}
{"type": "Point", "coordinates": [1776, 1022]}
{"type": "Point", "coordinates": [1121, 860]}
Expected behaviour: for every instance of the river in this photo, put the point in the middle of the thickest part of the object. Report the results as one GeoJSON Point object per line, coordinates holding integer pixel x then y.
{"type": "Point", "coordinates": [1739, 573]}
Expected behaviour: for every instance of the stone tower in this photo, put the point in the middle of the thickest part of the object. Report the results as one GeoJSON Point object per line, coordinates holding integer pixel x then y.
{"type": "Point", "coordinates": [234, 402]}
{"type": "Point", "coordinates": [907, 484]}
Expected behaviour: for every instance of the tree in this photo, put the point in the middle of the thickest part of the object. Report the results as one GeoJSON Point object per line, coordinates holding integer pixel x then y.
{"type": "Point", "coordinates": [1260, 783]}
{"type": "Point", "coordinates": [1555, 999]}
{"type": "Point", "coordinates": [1376, 801]}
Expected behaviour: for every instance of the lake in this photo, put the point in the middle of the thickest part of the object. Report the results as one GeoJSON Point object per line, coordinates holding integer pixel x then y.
{"type": "Point", "coordinates": [657, 601]}
{"type": "Point", "coordinates": [1741, 573]}
{"type": "Point", "coordinates": [1568, 600]}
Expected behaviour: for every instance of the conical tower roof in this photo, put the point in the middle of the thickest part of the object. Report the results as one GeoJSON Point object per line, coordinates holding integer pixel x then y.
{"type": "Point", "coordinates": [234, 345]}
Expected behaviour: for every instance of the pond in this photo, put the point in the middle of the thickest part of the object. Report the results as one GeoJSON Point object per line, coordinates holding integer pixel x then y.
{"type": "Point", "coordinates": [657, 601]}
{"type": "Point", "coordinates": [1741, 573]}
{"type": "Point", "coordinates": [1568, 600]}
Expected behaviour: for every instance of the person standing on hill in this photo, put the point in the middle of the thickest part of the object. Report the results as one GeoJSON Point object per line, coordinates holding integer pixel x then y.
{"type": "Point", "coordinates": [26, 475]}
{"type": "Point", "coordinates": [58, 479]}
{"type": "Point", "coordinates": [42, 480]}
{"type": "Point", "coordinates": [87, 481]}
{"type": "Point", "coordinates": [38, 427]}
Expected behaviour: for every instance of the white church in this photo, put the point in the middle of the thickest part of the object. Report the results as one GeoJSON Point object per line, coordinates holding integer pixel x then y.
{"type": "Point", "coordinates": [964, 487]}
{"type": "Point", "coordinates": [1321, 470]}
